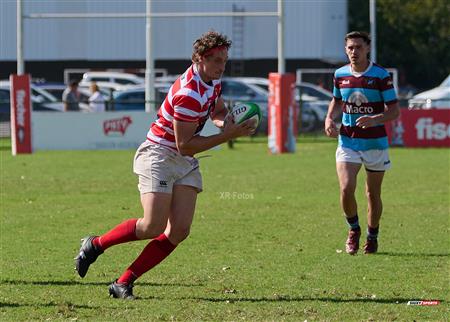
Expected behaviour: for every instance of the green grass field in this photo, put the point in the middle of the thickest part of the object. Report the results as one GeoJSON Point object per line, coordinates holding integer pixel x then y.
{"type": "Point", "coordinates": [273, 250]}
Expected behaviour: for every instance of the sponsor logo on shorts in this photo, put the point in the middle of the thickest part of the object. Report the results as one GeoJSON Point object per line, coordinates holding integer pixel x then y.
{"type": "Point", "coordinates": [163, 183]}
{"type": "Point", "coordinates": [387, 162]}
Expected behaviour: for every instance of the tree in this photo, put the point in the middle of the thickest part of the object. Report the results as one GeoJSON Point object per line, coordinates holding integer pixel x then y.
{"type": "Point", "coordinates": [412, 35]}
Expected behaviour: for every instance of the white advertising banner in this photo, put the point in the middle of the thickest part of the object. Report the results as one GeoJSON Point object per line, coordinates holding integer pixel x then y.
{"type": "Point", "coordinates": [94, 131]}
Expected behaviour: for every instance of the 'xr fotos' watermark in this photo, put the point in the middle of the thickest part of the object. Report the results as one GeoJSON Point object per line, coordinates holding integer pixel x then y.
{"type": "Point", "coordinates": [233, 195]}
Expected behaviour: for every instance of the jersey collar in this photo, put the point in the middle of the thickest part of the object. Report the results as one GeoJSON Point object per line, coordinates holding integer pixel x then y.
{"type": "Point", "coordinates": [359, 74]}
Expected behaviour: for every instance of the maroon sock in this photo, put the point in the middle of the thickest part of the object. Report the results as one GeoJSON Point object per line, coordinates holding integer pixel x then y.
{"type": "Point", "coordinates": [122, 233]}
{"type": "Point", "coordinates": [153, 254]}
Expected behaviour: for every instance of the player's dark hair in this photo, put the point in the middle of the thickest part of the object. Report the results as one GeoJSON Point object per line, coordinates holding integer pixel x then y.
{"type": "Point", "coordinates": [358, 34]}
{"type": "Point", "coordinates": [209, 40]}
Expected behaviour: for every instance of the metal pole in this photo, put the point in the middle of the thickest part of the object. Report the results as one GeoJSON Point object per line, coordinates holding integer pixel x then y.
{"type": "Point", "coordinates": [153, 15]}
{"type": "Point", "coordinates": [281, 68]}
{"type": "Point", "coordinates": [19, 41]}
{"type": "Point", "coordinates": [149, 63]}
{"type": "Point", "coordinates": [373, 30]}
{"type": "Point", "coordinates": [149, 70]}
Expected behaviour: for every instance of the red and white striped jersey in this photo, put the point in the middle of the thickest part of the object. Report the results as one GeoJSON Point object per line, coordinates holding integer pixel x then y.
{"type": "Point", "coordinates": [189, 100]}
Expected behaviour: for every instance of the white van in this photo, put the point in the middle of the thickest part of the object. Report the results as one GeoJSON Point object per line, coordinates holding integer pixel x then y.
{"type": "Point", "coordinates": [111, 77]}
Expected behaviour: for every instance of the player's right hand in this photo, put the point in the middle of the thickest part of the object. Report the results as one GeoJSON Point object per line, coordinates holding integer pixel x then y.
{"type": "Point", "coordinates": [331, 128]}
{"type": "Point", "coordinates": [233, 130]}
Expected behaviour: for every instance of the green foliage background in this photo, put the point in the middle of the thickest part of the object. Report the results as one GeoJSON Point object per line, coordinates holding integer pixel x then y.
{"type": "Point", "coordinates": [412, 35]}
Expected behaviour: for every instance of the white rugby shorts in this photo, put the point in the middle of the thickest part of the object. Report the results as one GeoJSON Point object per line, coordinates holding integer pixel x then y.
{"type": "Point", "coordinates": [373, 160]}
{"type": "Point", "coordinates": [159, 168]}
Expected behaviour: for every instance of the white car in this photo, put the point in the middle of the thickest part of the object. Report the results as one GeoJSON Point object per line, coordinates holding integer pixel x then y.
{"type": "Point", "coordinates": [106, 88]}
{"type": "Point", "coordinates": [313, 105]}
{"type": "Point", "coordinates": [57, 91]}
{"type": "Point", "coordinates": [111, 77]}
{"type": "Point", "coordinates": [438, 97]}
{"type": "Point", "coordinates": [40, 98]}
{"type": "Point", "coordinates": [258, 81]}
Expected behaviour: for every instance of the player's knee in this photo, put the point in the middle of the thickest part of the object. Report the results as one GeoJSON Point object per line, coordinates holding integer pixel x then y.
{"type": "Point", "coordinates": [147, 230]}
{"type": "Point", "coordinates": [373, 195]}
{"type": "Point", "coordinates": [178, 234]}
{"type": "Point", "coordinates": [347, 190]}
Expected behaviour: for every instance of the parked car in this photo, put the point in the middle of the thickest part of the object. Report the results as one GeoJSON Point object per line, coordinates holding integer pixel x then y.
{"type": "Point", "coordinates": [5, 109]}
{"type": "Point", "coordinates": [261, 82]}
{"type": "Point", "coordinates": [41, 100]}
{"type": "Point", "coordinates": [166, 79]}
{"type": "Point", "coordinates": [57, 89]}
{"type": "Point", "coordinates": [107, 88]}
{"type": "Point", "coordinates": [312, 100]}
{"type": "Point", "coordinates": [112, 77]}
{"type": "Point", "coordinates": [438, 97]}
{"type": "Point", "coordinates": [133, 98]}
{"type": "Point", "coordinates": [236, 91]}
{"type": "Point", "coordinates": [309, 91]}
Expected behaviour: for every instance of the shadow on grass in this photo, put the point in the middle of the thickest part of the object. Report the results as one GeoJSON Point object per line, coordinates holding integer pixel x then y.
{"type": "Point", "coordinates": [69, 283]}
{"type": "Point", "coordinates": [413, 254]}
{"type": "Point", "coordinates": [51, 304]}
{"type": "Point", "coordinates": [302, 299]}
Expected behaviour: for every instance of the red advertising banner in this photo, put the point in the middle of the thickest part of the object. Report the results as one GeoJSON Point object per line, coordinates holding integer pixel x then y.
{"type": "Point", "coordinates": [421, 128]}
{"type": "Point", "coordinates": [282, 113]}
{"type": "Point", "coordinates": [20, 114]}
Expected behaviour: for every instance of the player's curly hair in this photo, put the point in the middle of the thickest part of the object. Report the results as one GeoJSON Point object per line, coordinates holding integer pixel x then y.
{"type": "Point", "coordinates": [208, 41]}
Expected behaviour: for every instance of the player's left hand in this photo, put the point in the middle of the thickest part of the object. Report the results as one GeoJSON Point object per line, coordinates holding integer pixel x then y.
{"type": "Point", "coordinates": [222, 123]}
{"type": "Point", "coordinates": [228, 118]}
{"type": "Point", "coordinates": [366, 121]}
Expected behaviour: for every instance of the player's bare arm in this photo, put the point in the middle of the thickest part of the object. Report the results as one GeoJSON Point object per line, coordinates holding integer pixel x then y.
{"type": "Point", "coordinates": [190, 144]}
{"type": "Point", "coordinates": [330, 126]}
{"type": "Point", "coordinates": [220, 113]}
{"type": "Point", "coordinates": [390, 113]}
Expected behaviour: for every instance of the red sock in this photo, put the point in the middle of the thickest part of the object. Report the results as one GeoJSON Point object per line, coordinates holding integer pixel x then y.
{"type": "Point", "coordinates": [122, 233]}
{"type": "Point", "coordinates": [153, 254]}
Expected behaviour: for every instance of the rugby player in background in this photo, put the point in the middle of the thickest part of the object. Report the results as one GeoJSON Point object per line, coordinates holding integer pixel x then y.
{"type": "Point", "coordinates": [364, 92]}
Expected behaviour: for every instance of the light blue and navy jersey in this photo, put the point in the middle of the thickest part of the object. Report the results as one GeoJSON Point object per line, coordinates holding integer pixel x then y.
{"type": "Point", "coordinates": [365, 94]}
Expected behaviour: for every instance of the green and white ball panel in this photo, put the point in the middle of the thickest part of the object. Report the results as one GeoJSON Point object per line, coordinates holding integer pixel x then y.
{"type": "Point", "coordinates": [246, 111]}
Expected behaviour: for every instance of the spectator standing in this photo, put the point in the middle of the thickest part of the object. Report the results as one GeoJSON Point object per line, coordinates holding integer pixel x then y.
{"type": "Point", "coordinates": [71, 97]}
{"type": "Point", "coordinates": [96, 100]}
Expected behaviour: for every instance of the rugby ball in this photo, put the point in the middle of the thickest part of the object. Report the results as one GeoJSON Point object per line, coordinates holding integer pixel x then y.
{"type": "Point", "coordinates": [246, 111]}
